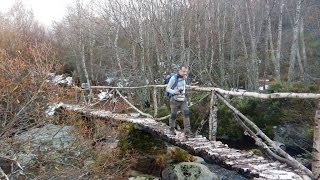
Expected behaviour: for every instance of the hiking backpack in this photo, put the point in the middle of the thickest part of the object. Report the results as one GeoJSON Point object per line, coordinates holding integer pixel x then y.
{"type": "Point", "coordinates": [167, 79]}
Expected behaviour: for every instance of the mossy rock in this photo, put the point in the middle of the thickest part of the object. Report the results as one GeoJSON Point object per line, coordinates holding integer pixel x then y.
{"type": "Point", "coordinates": [188, 170]}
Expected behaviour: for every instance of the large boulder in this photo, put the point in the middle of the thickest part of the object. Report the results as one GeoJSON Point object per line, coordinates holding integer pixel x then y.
{"type": "Point", "coordinates": [188, 170]}
{"type": "Point", "coordinates": [48, 139]}
{"type": "Point", "coordinates": [53, 136]}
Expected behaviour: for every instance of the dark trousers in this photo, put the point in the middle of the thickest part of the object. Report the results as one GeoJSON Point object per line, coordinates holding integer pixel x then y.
{"type": "Point", "coordinates": [183, 106]}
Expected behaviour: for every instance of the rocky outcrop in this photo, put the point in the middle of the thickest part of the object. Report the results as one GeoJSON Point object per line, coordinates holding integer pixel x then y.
{"type": "Point", "coordinates": [188, 170]}
{"type": "Point", "coordinates": [50, 138]}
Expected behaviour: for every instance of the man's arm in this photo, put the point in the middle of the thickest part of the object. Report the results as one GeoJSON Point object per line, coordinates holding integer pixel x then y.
{"type": "Point", "coordinates": [170, 84]}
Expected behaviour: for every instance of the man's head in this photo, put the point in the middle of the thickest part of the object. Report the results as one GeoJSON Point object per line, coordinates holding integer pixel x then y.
{"type": "Point", "coordinates": [183, 70]}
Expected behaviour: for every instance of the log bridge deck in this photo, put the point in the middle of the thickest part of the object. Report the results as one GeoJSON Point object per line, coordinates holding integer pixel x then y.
{"type": "Point", "coordinates": [245, 163]}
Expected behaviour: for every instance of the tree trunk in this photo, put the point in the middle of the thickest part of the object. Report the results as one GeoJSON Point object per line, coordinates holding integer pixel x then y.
{"type": "Point", "coordinates": [294, 47]}
{"type": "Point", "coordinates": [221, 47]}
{"type": "Point", "coordinates": [189, 49]}
{"type": "Point", "coordinates": [83, 61]}
{"type": "Point", "coordinates": [302, 73]}
{"type": "Point", "coordinates": [142, 54]}
{"type": "Point", "coordinates": [254, 73]}
{"type": "Point", "coordinates": [316, 145]}
{"type": "Point", "coordinates": [270, 38]}
{"type": "Point", "coordinates": [303, 48]}
{"type": "Point", "coordinates": [206, 35]}
{"type": "Point", "coordinates": [198, 40]}
{"type": "Point", "coordinates": [245, 51]}
{"type": "Point", "coordinates": [91, 45]}
{"type": "Point", "coordinates": [117, 53]}
{"type": "Point", "coordinates": [213, 122]}
{"type": "Point", "coordinates": [232, 49]}
{"type": "Point", "coordinates": [155, 102]}
{"type": "Point", "coordinates": [182, 43]}
{"type": "Point", "coordinates": [278, 56]}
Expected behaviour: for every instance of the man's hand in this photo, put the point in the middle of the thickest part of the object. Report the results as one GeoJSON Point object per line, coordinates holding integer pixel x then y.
{"type": "Point", "coordinates": [176, 92]}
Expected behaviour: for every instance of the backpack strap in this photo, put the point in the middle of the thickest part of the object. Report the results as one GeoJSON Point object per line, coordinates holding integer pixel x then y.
{"type": "Point", "coordinates": [175, 84]}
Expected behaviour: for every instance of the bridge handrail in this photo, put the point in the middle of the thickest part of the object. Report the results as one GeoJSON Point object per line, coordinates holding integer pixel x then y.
{"type": "Point", "coordinates": [233, 93]}
{"type": "Point", "coordinates": [260, 138]}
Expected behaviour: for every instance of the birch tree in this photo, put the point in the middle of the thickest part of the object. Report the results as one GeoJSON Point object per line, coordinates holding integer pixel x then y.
{"type": "Point", "coordinates": [294, 47]}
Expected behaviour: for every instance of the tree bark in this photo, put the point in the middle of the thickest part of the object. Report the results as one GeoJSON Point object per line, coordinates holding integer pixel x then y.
{"type": "Point", "coordinates": [232, 50]}
{"type": "Point", "coordinates": [221, 46]}
{"type": "Point", "coordinates": [272, 50]}
{"type": "Point", "coordinates": [303, 48]}
{"type": "Point", "coordinates": [213, 121]}
{"type": "Point", "coordinates": [254, 71]}
{"type": "Point", "coordinates": [294, 47]}
{"type": "Point", "coordinates": [117, 52]}
{"type": "Point", "coordinates": [278, 54]}
{"type": "Point", "coordinates": [182, 43]}
{"type": "Point", "coordinates": [316, 145]}
{"type": "Point", "coordinates": [155, 102]}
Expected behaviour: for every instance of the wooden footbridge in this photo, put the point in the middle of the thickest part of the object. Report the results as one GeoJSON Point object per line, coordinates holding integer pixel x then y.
{"type": "Point", "coordinates": [280, 166]}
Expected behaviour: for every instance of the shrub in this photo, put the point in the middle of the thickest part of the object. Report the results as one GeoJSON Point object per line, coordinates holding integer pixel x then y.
{"type": "Point", "coordinates": [180, 155]}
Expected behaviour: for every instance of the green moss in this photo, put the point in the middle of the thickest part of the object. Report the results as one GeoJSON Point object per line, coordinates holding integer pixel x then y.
{"type": "Point", "coordinates": [125, 129]}
{"type": "Point", "coordinates": [145, 143]}
{"type": "Point", "coordinates": [133, 139]}
{"type": "Point", "coordinates": [310, 132]}
{"type": "Point", "coordinates": [163, 111]}
{"type": "Point", "coordinates": [180, 155]}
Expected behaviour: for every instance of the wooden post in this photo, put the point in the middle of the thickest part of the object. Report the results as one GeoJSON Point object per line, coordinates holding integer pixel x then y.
{"type": "Point", "coordinates": [213, 117]}
{"type": "Point", "coordinates": [155, 103]}
{"type": "Point", "coordinates": [316, 145]}
{"type": "Point", "coordinates": [76, 92]}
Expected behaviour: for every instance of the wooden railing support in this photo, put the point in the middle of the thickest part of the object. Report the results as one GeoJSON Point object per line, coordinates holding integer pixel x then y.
{"type": "Point", "coordinates": [316, 145]}
{"type": "Point", "coordinates": [155, 103]}
{"type": "Point", "coordinates": [131, 105]}
{"type": "Point", "coordinates": [291, 161]}
{"type": "Point", "coordinates": [213, 123]}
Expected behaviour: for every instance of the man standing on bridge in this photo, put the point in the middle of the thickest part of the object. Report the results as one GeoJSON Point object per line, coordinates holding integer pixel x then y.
{"type": "Point", "coordinates": [176, 89]}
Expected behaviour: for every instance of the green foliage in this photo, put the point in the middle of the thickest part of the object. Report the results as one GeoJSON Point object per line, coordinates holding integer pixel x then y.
{"type": "Point", "coordinates": [227, 126]}
{"type": "Point", "coordinates": [180, 155]}
{"type": "Point", "coordinates": [69, 68]}
{"type": "Point", "coordinates": [268, 113]}
{"type": "Point", "coordinates": [148, 110]}
{"type": "Point", "coordinates": [265, 114]}
{"type": "Point", "coordinates": [163, 111]}
{"type": "Point", "coordinates": [297, 87]}
{"type": "Point", "coordinates": [125, 129]}
{"type": "Point", "coordinates": [133, 139]}
{"type": "Point", "coordinates": [145, 143]}
{"type": "Point", "coordinates": [196, 116]}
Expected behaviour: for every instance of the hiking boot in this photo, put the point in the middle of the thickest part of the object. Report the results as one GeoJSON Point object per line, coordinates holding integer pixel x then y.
{"type": "Point", "coordinates": [172, 131]}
